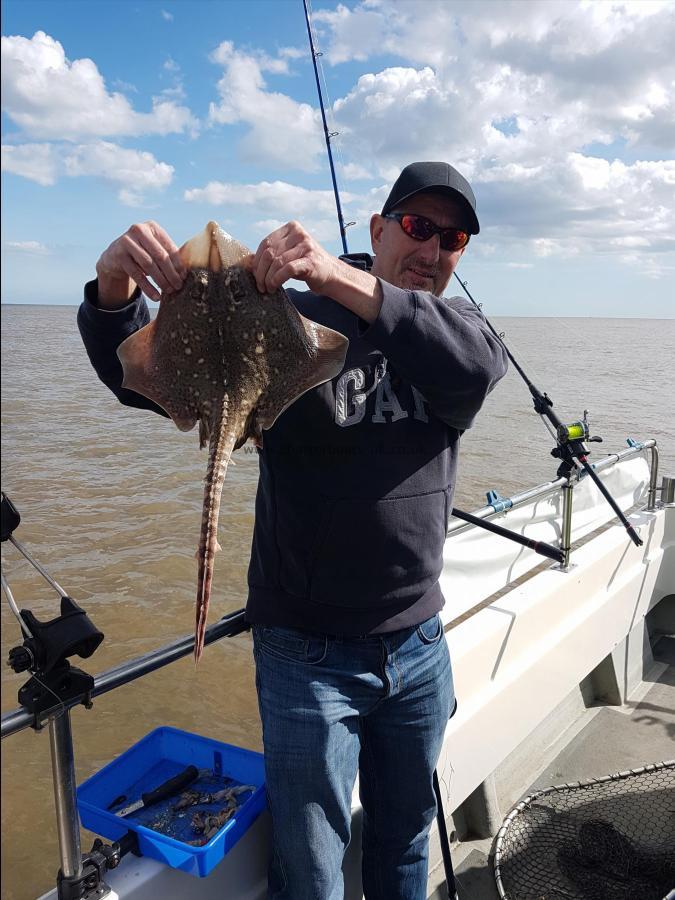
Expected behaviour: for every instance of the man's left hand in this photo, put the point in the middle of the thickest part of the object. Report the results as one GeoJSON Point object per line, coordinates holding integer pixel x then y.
{"type": "Point", "coordinates": [291, 252]}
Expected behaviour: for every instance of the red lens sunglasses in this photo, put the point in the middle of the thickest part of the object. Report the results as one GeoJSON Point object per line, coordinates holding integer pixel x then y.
{"type": "Point", "coordinates": [419, 228]}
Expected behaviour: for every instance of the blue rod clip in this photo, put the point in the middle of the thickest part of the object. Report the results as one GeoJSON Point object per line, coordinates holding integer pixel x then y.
{"type": "Point", "coordinates": [497, 502]}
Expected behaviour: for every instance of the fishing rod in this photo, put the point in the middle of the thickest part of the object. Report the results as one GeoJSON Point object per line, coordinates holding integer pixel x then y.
{"type": "Point", "coordinates": [570, 447]}
{"type": "Point", "coordinates": [450, 884]}
{"type": "Point", "coordinates": [539, 547]}
{"type": "Point", "coordinates": [327, 134]}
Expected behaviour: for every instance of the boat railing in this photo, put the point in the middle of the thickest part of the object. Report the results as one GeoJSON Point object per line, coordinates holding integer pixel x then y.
{"type": "Point", "coordinates": [131, 670]}
{"type": "Point", "coordinates": [230, 625]}
{"type": "Point", "coordinates": [553, 487]}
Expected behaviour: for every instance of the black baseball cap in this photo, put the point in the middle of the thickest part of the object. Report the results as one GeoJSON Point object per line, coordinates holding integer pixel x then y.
{"type": "Point", "coordinates": [436, 178]}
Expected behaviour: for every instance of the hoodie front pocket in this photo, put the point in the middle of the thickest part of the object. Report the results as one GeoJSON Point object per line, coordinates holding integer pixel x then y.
{"type": "Point", "coordinates": [379, 552]}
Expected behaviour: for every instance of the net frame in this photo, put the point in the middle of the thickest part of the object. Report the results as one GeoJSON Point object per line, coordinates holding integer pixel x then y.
{"type": "Point", "coordinates": [499, 847]}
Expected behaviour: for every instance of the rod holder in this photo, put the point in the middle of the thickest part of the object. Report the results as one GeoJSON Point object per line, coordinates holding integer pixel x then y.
{"type": "Point", "coordinates": [566, 536]}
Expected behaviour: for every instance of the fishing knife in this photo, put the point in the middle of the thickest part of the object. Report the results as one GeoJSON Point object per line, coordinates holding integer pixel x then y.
{"type": "Point", "coordinates": [166, 789]}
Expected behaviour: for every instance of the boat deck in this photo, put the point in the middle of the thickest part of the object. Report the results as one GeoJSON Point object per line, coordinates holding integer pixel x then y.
{"type": "Point", "coordinates": [607, 739]}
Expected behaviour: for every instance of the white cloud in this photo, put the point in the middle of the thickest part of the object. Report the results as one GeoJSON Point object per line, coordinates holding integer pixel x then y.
{"type": "Point", "coordinates": [484, 249]}
{"type": "Point", "coordinates": [32, 248]}
{"type": "Point", "coordinates": [588, 71]}
{"type": "Point", "coordinates": [277, 200]}
{"type": "Point", "coordinates": [132, 172]}
{"type": "Point", "coordinates": [652, 267]}
{"type": "Point", "coordinates": [267, 226]}
{"type": "Point", "coordinates": [37, 162]}
{"type": "Point", "coordinates": [293, 53]}
{"type": "Point", "coordinates": [322, 229]}
{"type": "Point", "coordinates": [354, 33]}
{"type": "Point", "coordinates": [577, 205]}
{"type": "Point", "coordinates": [167, 16]}
{"type": "Point", "coordinates": [631, 241]}
{"type": "Point", "coordinates": [50, 97]}
{"type": "Point", "coordinates": [275, 203]}
{"type": "Point", "coordinates": [281, 130]}
{"type": "Point", "coordinates": [391, 116]}
{"type": "Point", "coordinates": [355, 172]}
{"type": "Point", "coordinates": [523, 98]}
{"type": "Point", "coordinates": [125, 86]}
{"type": "Point", "coordinates": [545, 247]}
{"type": "Point", "coordinates": [176, 91]}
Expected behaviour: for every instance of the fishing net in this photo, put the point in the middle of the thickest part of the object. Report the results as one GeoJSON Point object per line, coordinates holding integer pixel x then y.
{"type": "Point", "coordinates": [612, 838]}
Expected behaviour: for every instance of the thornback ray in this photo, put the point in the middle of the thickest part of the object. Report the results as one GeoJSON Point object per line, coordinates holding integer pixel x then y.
{"type": "Point", "coordinates": [221, 354]}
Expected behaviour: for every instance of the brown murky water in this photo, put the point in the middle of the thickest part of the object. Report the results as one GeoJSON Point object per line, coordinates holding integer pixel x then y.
{"type": "Point", "coordinates": [110, 500]}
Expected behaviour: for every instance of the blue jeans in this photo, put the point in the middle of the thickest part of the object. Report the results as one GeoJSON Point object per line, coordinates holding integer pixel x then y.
{"type": "Point", "coordinates": [332, 706]}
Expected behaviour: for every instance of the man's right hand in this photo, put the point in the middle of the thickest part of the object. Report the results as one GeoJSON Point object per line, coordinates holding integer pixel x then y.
{"type": "Point", "coordinates": [144, 250]}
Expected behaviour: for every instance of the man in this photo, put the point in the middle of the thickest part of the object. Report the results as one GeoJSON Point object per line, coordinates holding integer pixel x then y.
{"type": "Point", "coordinates": [356, 484]}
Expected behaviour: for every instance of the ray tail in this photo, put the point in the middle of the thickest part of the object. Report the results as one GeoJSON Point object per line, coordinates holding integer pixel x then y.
{"type": "Point", "coordinates": [223, 439]}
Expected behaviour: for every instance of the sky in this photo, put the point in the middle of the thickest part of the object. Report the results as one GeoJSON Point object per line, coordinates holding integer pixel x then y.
{"type": "Point", "coordinates": [561, 113]}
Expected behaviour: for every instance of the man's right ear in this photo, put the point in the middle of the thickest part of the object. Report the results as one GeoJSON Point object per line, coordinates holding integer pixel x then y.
{"type": "Point", "coordinates": [377, 223]}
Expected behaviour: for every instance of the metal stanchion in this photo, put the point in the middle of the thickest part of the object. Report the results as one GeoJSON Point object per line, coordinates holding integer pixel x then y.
{"type": "Point", "coordinates": [63, 768]}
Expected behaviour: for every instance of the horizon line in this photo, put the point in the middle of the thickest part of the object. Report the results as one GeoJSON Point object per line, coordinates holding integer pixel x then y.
{"type": "Point", "coordinates": [657, 318]}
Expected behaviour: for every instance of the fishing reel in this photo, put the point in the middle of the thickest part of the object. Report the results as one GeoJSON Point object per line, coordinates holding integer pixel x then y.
{"type": "Point", "coordinates": [577, 431]}
{"type": "Point", "coordinates": [48, 645]}
{"type": "Point", "coordinates": [570, 443]}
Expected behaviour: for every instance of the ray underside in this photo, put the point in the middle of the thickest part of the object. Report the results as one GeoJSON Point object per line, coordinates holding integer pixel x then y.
{"type": "Point", "coordinates": [223, 355]}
